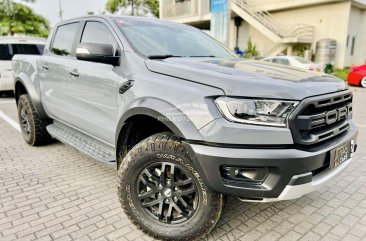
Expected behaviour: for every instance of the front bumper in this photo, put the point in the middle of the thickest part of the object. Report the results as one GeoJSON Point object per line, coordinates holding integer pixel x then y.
{"type": "Point", "coordinates": [291, 172]}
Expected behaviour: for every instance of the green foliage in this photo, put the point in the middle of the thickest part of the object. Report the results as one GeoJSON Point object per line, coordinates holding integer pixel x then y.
{"type": "Point", "coordinates": [153, 5]}
{"type": "Point", "coordinates": [342, 73]}
{"type": "Point", "coordinates": [138, 7]}
{"type": "Point", "coordinates": [251, 51]}
{"type": "Point", "coordinates": [20, 19]}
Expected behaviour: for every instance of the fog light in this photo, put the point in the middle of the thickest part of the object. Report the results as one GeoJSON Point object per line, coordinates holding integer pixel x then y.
{"type": "Point", "coordinates": [245, 174]}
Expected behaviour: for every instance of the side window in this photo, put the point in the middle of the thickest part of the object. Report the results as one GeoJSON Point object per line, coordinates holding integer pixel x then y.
{"type": "Point", "coordinates": [64, 39]}
{"type": "Point", "coordinates": [275, 60]}
{"type": "Point", "coordinates": [281, 61]}
{"type": "Point", "coordinates": [96, 32]}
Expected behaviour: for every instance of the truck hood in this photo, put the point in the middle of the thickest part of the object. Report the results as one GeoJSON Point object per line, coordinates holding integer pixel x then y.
{"type": "Point", "coordinates": [247, 78]}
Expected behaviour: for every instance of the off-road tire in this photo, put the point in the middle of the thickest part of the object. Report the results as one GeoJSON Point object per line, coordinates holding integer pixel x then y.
{"type": "Point", "coordinates": [37, 134]}
{"type": "Point", "coordinates": [168, 149]}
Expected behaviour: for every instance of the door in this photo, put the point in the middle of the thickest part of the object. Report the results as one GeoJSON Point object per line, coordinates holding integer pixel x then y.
{"type": "Point", "coordinates": [54, 69]}
{"type": "Point", "coordinates": [94, 87]}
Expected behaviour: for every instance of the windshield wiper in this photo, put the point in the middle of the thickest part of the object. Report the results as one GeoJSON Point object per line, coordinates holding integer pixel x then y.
{"type": "Point", "coordinates": [203, 56]}
{"type": "Point", "coordinates": [163, 56]}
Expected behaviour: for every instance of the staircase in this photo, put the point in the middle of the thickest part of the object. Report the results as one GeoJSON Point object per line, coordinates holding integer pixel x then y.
{"type": "Point", "coordinates": [267, 24]}
{"type": "Point", "coordinates": [275, 49]}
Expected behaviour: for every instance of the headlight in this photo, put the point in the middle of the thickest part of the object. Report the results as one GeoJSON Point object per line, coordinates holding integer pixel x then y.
{"type": "Point", "coordinates": [256, 112]}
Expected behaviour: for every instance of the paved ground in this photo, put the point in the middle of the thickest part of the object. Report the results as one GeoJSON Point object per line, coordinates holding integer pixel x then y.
{"type": "Point", "coordinates": [55, 193]}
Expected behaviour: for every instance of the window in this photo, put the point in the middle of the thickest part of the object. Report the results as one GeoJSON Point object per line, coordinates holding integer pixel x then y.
{"type": "Point", "coordinates": [64, 39]}
{"type": "Point", "coordinates": [353, 45]}
{"type": "Point", "coordinates": [96, 32]}
{"type": "Point", "coordinates": [281, 61]}
{"type": "Point", "coordinates": [7, 51]}
{"type": "Point", "coordinates": [303, 61]}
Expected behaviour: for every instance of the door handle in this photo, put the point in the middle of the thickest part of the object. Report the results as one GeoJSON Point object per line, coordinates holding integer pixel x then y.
{"type": "Point", "coordinates": [74, 73]}
{"type": "Point", "coordinates": [125, 86]}
{"type": "Point", "coordinates": [45, 67]}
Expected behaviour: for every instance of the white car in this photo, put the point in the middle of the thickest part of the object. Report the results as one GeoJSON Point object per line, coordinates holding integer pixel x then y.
{"type": "Point", "coordinates": [9, 46]}
{"type": "Point", "coordinates": [295, 61]}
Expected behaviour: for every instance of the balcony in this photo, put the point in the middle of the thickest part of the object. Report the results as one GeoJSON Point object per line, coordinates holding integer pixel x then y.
{"type": "Point", "coordinates": [185, 11]}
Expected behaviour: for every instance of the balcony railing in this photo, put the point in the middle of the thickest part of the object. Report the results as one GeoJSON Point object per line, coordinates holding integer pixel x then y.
{"type": "Point", "coordinates": [276, 4]}
{"type": "Point", "coordinates": [302, 32]}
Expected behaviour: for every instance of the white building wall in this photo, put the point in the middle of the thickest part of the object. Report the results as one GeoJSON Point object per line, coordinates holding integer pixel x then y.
{"type": "Point", "coordinates": [246, 32]}
{"type": "Point", "coordinates": [329, 20]}
{"type": "Point", "coordinates": [358, 32]}
{"type": "Point", "coordinates": [243, 35]}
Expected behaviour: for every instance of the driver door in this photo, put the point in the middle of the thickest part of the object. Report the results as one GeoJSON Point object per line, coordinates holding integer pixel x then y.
{"type": "Point", "coordinates": [93, 88]}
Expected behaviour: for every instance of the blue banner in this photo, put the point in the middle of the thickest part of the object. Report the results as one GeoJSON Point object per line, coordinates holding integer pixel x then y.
{"type": "Point", "coordinates": [220, 20]}
{"type": "Point", "coordinates": [218, 6]}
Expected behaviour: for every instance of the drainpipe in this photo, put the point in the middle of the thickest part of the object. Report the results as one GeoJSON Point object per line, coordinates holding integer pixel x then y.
{"type": "Point", "coordinates": [237, 21]}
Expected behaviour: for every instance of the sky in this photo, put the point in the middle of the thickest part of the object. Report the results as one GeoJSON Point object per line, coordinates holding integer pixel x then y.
{"type": "Point", "coordinates": [71, 8]}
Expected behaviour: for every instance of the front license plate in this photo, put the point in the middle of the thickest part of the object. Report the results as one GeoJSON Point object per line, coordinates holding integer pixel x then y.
{"type": "Point", "coordinates": [340, 154]}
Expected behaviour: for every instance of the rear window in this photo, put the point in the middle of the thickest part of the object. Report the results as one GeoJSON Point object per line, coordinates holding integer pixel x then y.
{"type": "Point", "coordinates": [7, 51]}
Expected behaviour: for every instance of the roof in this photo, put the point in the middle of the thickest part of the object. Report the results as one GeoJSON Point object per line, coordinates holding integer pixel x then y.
{"type": "Point", "coordinates": [22, 40]}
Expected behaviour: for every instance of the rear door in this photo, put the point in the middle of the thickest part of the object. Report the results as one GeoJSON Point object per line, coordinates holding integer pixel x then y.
{"type": "Point", "coordinates": [54, 72]}
{"type": "Point", "coordinates": [94, 88]}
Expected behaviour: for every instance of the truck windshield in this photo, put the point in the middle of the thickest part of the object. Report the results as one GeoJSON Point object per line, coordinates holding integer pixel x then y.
{"type": "Point", "coordinates": [158, 40]}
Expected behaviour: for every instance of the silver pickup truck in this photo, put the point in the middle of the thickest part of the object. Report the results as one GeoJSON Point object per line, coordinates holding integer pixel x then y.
{"type": "Point", "coordinates": [184, 120]}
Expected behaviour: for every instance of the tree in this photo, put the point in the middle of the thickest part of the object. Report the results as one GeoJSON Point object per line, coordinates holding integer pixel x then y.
{"type": "Point", "coordinates": [138, 7]}
{"type": "Point", "coordinates": [18, 18]}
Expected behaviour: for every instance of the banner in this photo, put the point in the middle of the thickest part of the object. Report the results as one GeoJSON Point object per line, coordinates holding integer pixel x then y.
{"type": "Point", "coordinates": [220, 20]}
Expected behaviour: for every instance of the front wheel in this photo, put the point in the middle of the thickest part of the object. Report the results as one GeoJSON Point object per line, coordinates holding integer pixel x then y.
{"type": "Point", "coordinates": [162, 192]}
{"type": "Point", "coordinates": [363, 82]}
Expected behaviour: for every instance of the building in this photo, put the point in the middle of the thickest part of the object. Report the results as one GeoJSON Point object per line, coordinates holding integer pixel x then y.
{"type": "Point", "coordinates": [278, 26]}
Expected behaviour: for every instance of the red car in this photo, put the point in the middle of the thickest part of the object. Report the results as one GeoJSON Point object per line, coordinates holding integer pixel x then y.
{"type": "Point", "coordinates": [357, 76]}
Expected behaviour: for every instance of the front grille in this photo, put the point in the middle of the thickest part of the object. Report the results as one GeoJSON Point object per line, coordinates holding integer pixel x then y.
{"type": "Point", "coordinates": [321, 118]}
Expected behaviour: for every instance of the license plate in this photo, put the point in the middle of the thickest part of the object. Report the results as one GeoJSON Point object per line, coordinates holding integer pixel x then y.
{"type": "Point", "coordinates": [341, 154]}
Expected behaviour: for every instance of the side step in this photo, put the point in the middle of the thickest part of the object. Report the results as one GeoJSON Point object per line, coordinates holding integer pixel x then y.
{"type": "Point", "coordinates": [85, 144]}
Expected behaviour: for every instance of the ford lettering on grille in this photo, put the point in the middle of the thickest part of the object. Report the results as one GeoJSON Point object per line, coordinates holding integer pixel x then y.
{"type": "Point", "coordinates": [321, 118]}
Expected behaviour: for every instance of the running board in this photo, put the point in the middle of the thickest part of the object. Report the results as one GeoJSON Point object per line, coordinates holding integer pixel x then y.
{"type": "Point", "coordinates": [83, 143]}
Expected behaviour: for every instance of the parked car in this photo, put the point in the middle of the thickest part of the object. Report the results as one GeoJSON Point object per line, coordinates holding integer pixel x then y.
{"type": "Point", "coordinates": [357, 76]}
{"type": "Point", "coordinates": [184, 119]}
{"type": "Point", "coordinates": [295, 61]}
{"type": "Point", "coordinates": [9, 46]}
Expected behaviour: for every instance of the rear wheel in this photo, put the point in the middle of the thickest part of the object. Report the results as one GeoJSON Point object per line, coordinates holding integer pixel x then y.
{"type": "Point", "coordinates": [163, 194]}
{"type": "Point", "coordinates": [363, 82]}
{"type": "Point", "coordinates": [33, 127]}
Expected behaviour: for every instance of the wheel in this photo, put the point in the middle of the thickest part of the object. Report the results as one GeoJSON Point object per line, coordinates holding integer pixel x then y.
{"type": "Point", "coordinates": [163, 194]}
{"type": "Point", "coordinates": [363, 82]}
{"type": "Point", "coordinates": [33, 127]}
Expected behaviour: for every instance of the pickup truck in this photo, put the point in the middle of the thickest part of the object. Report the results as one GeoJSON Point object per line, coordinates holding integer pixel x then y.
{"type": "Point", "coordinates": [183, 119]}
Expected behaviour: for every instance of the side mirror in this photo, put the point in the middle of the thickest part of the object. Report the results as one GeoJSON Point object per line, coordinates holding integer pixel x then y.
{"type": "Point", "coordinates": [97, 52]}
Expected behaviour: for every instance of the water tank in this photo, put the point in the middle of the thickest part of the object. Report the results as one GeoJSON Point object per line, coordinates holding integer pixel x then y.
{"type": "Point", "coordinates": [326, 51]}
